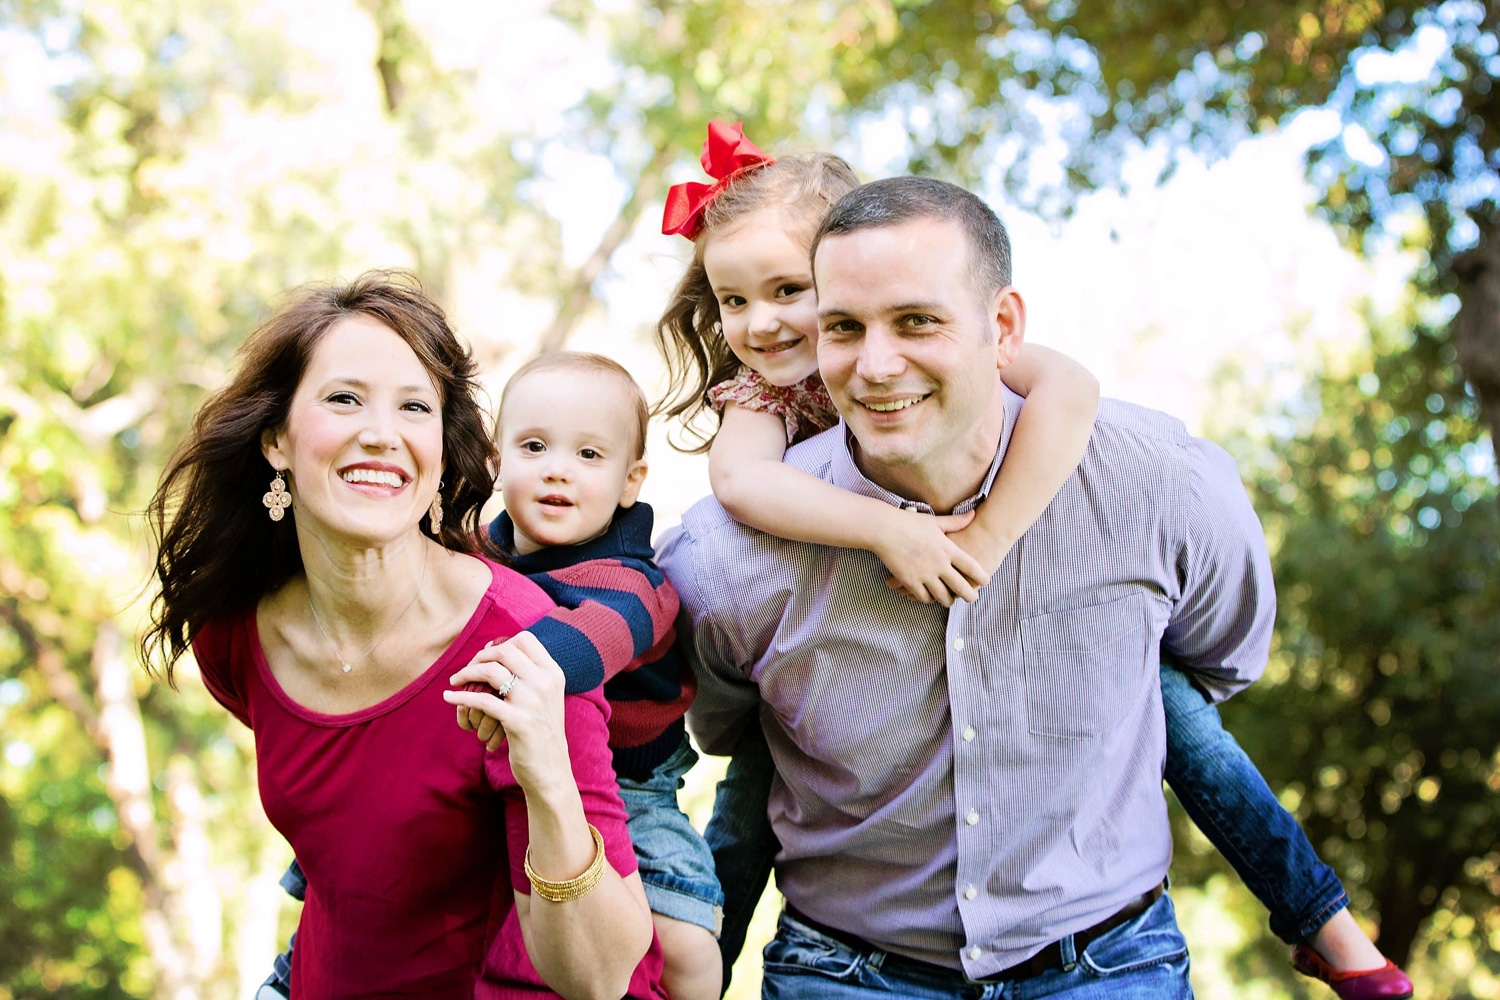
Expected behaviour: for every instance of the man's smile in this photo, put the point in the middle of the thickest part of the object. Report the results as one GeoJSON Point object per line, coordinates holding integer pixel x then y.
{"type": "Point", "coordinates": [892, 405]}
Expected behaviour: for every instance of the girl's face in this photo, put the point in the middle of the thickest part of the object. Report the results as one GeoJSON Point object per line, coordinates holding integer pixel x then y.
{"type": "Point", "coordinates": [769, 314]}
{"type": "Point", "coordinates": [363, 439]}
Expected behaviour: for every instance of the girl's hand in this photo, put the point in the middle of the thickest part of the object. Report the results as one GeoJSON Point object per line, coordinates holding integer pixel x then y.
{"type": "Point", "coordinates": [988, 549]}
{"type": "Point", "coordinates": [925, 564]}
{"type": "Point", "coordinates": [530, 716]}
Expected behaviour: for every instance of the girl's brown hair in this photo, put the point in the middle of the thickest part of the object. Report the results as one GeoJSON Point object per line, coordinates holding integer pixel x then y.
{"type": "Point", "coordinates": [803, 187]}
{"type": "Point", "coordinates": [218, 551]}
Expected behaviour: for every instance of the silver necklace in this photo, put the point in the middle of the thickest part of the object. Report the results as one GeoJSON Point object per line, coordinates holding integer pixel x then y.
{"type": "Point", "coordinates": [349, 664]}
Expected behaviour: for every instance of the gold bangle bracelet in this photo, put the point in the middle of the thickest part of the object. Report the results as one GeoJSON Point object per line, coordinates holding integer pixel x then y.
{"type": "Point", "coordinates": [573, 888]}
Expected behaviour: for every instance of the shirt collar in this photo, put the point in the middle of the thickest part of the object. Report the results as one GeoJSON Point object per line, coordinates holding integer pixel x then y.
{"type": "Point", "coordinates": [628, 534]}
{"type": "Point", "coordinates": [846, 474]}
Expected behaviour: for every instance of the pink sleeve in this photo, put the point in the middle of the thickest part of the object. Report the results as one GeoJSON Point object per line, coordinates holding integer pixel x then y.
{"type": "Point", "coordinates": [588, 745]}
{"type": "Point", "coordinates": [214, 649]}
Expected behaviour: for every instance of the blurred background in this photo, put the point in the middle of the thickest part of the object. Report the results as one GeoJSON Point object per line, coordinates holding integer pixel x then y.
{"type": "Point", "coordinates": [1276, 220]}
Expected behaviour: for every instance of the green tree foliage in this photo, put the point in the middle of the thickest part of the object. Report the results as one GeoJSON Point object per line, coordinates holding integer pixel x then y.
{"type": "Point", "coordinates": [180, 167]}
{"type": "Point", "coordinates": [1047, 97]}
{"type": "Point", "coordinates": [1379, 712]}
{"type": "Point", "coordinates": [1385, 708]}
{"type": "Point", "coordinates": [71, 922]}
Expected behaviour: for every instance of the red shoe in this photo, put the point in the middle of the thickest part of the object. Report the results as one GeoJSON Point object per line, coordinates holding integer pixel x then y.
{"type": "Point", "coordinates": [1385, 983]}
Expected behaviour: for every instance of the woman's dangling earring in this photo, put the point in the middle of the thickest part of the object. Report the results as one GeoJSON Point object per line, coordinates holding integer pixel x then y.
{"type": "Point", "coordinates": [278, 500]}
{"type": "Point", "coordinates": [435, 511]}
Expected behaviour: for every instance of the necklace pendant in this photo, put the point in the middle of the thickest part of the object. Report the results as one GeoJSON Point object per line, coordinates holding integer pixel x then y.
{"type": "Point", "coordinates": [348, 667]}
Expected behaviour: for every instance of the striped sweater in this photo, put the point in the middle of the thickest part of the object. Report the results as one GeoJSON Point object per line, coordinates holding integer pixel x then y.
{"type": "Point", "coordinates": [614, 625]}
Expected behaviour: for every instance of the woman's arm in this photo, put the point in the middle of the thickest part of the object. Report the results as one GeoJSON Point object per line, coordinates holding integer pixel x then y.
{"type": "Point", "coordinates": [588, 947]}
{"type": "Point", "coordinates": [1062, 399]}
{"type": "Point", "coordinates": [757, 488]}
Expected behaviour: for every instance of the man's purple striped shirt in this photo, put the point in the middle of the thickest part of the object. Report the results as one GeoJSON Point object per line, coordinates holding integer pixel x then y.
{"type": "Point", "coordinates": [966, 785]}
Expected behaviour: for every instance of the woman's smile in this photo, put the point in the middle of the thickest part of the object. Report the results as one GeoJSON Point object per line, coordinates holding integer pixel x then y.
{"type": "Point", "coordinates": [365, 422]}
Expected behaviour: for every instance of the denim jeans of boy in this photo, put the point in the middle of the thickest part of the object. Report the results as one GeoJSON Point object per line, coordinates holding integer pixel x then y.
{"type": "Point", "coordinates": [740, 836]}
{"type": "Point", "coordinates": [1144, 958]}
{"type": "Point", "coordinates": [1223, 792]}
{"type": "Point", "coordinates": [676, 868]}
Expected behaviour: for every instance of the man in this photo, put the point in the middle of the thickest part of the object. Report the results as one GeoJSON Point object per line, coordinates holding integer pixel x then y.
{"type": "Point", "coordinates": [969, 798]}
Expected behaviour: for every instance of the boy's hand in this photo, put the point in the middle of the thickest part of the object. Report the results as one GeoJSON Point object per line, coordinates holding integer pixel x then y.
{"type": "Point", "coordinates": [489, 730]}
{"type": "Point", "coordinates": [483, 726]}
{"type": "Point", "coordinates": [925, 564]}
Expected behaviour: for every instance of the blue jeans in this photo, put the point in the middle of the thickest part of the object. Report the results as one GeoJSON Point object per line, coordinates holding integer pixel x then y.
{"type": "Point", "coordinates": [676, 867]}
{"type": "Point", "coordinates": [1223, 792]}
{"type": "Point", "coordinates": [740, 836]}
{"type": "Point", "coordinates": [1144, 958]}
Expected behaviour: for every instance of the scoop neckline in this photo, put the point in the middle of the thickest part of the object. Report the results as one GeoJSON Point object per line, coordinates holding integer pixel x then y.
{"type": "Point", "coordinates": [386, 705]}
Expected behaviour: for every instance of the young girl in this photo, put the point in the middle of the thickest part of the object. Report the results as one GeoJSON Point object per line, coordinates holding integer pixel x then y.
{"type": "Point", "coordinates": [739, 336]}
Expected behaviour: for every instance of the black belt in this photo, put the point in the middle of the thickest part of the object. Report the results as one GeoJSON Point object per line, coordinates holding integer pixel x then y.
{"type": "Point", "coordinates": [1045, 960]}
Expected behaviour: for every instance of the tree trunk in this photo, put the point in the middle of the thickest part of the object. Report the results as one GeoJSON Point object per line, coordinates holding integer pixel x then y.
{"type": "Point", "coordinates": [171, 937]}
{"type": "Point", "coordinates": [578, 292]}
{"type": "Point", "coordinates": [1402, 911]}
{"type": "Point", "coordinates": [112, 719]}
{"type": "Point", "coordinates": [387, 16]}
{"type": "Point", "coordinates": [1478, 327]}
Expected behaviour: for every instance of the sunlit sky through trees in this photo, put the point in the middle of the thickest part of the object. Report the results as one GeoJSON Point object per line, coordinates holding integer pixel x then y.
{"type": "Point", "coordinates": [1165, 293]}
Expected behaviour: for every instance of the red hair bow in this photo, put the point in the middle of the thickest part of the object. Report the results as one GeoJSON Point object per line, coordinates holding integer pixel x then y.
{"type": "Point", "coordinates": [726, 155]}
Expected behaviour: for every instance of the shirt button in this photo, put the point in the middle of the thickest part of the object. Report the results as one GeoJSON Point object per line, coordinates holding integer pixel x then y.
{"type": "Point", "coordinates": [973, 818]}
{"type": "Point", "coordinates": [969, 734]}
{"type": "Point", "coordinates": [974, 952]}
{"type": "Point", "coordinates": [970, 892]}
{"type": "Point", "coordinates": [958, 643]}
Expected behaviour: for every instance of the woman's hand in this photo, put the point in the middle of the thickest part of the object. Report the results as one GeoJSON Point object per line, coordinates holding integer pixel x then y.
{"type": "Point", "coordinates": [477, 720]}
{"type": "Point", "coordinates": [585, 948]}
{"type": "Point", "coordinates": [530, 716]}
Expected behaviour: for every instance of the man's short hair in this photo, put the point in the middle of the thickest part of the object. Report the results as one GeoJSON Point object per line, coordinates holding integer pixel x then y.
{"type": "Point", "coordinates": [898, 200]}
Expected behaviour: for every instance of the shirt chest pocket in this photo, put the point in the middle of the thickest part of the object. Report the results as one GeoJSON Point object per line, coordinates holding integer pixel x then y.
{"type": "Point", "coordinates": [1082, 667]}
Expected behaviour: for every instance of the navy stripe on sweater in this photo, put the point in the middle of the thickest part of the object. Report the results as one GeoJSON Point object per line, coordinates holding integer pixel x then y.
{"type": "Point", "coordinates": [583, 668]}
{"type": "Point", "coordinates": [628, 605]}
{"type": "Point", "coordinates": [615, 622]}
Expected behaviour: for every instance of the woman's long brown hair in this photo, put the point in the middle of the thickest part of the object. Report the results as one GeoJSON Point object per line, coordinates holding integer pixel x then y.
{"type": "Point", "coordinates": [218, 552]}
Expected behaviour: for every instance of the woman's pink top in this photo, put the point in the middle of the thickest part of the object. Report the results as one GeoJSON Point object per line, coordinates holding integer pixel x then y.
{"type": "Point", "coordinates": [410, 834]}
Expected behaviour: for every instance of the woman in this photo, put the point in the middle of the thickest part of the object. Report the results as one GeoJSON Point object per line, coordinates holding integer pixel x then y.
{"type": "Point", "coordinates": [326, 618]}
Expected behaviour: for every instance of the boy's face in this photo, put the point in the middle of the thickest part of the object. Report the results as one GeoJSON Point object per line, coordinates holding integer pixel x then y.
{"type": "Point", "coordinates": [567, 456]}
